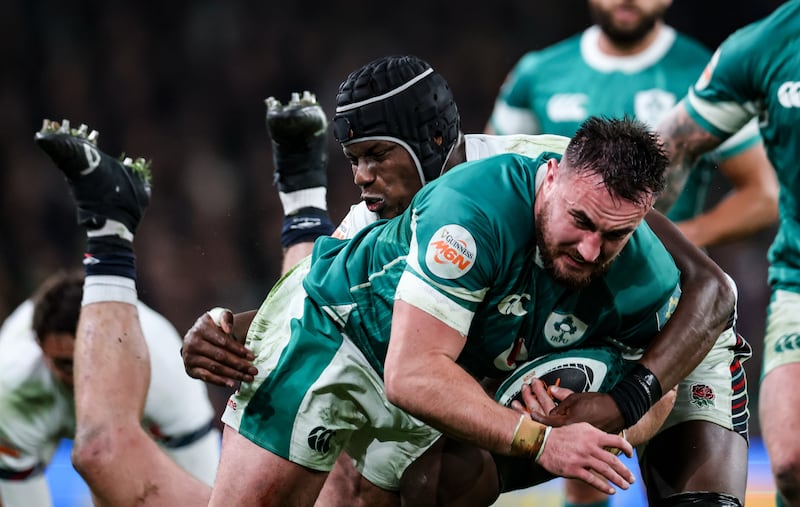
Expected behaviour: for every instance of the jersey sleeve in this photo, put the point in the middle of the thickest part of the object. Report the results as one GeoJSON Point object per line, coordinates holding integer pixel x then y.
{"type": "Point", "coordinates": [32, 492]}
{"type": "Point", "coordinates": [461, 242]}
{"type": "Point", "coordinates": [728, 93]}
{"type": "Point", "coordinates": [513, 108]}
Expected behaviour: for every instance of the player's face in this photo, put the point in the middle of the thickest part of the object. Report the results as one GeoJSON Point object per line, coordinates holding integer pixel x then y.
{"type": "Point", "coordinates": [580, 226]}
{"type": "Point", "coordinates": [386, 175]}
{"type": "Point", "coordinates": [627, 21]}
{"type": "Point", "coordinates": [58, 349]}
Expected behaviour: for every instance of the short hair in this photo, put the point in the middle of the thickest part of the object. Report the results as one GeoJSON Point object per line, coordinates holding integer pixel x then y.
{"type": "Point", "coordinates": [57, 304]}
{"type": "Point", "coordinates": [403, 100]}
{"type": "Point", "coordinates": [630, 158]}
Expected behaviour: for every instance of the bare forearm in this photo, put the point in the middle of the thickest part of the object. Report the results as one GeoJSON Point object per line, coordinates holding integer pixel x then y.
{"type": "Point", "coordinates": [735, 217]}
{"type": "Point", "coordinates": [454, 403]}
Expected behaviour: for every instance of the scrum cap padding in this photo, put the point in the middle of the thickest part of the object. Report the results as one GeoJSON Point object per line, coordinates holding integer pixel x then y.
{"type": "Point", "coordinates": [403, 100]}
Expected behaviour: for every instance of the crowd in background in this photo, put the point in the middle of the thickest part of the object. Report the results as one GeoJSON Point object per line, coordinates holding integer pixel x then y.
{"type": "Point", "coordinates": [182, 83]}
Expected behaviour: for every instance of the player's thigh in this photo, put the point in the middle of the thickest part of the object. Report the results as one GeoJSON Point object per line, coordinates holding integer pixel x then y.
{"type": "Point", "coordinates": [708, 425]}
{"type": "Point", "coordinates": [451, 473]}
{"type": "Point", "coordinates": [695, 456]}
{"type": "Point", "coordinates": [346, 487]}
{"type": "Point", "coordinates": [778, 402]}
{"type": "Point", "coordinates": [778, 413]}
{"type": "Point", "coordinates": [251, 475]}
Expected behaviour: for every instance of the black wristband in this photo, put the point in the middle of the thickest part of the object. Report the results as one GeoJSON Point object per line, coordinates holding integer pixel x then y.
{"type": "Point", "coordinates": [305, 225]}
{"type": "Point", "coordinates": [636, 393]}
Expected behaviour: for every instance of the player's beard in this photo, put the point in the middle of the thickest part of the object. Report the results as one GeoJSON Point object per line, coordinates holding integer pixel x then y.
{"type": "Point", "coordinates": [548, 253]}
{"type": "Point", "coordinates": [625, 36]}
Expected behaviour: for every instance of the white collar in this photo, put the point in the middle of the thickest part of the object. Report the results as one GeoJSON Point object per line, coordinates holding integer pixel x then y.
{"type": "Point", "coordinates": [590, 50]}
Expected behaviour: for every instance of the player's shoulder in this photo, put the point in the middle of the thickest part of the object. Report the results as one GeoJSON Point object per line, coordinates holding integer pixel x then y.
{"type": "Point", "coordinates": [643, 274]}
{"type": "Point", "coordinates": [687, 50]}
{"type": "Point", "coordinates": [767, 36]}
{"type": "Point", "coordinates": [480, 146]}
{"type": "Point", "coordinates": [539, 58]}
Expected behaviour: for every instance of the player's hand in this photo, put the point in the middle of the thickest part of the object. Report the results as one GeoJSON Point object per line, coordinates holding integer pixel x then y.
{"type": "Point", "coordinates": [212, 353]}
{"type": "Point", "coordinates": [598, 409]}
{"type": "Point", "coordinates": [652, 420]}
{"type": "Point", "coordinates": [539, 398]}
{"type": "Point", "coordinates": [580, 451]}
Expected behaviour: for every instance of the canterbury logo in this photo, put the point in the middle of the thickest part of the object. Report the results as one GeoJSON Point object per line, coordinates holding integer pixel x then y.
{"type": "Point", "coordinates": [567, 107]}
{"type": "Point", "coordinates": [789, 94]}
{"type": "Point", "coordinates": [320, 439]}
{"type": "Point", "coordinates": [92, 159]}
{"type": "Point", "coordinates": [515, 304]}
{"type": "Point", "coordinates": [788, 342]}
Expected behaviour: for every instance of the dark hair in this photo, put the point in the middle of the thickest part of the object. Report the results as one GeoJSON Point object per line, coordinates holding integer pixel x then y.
{"type": "Point", "coordinates": [630, 158]}
{"type": "Point", "coordinates": [400, 99]}
{"type": "Point", "coordinates": [57, 304]}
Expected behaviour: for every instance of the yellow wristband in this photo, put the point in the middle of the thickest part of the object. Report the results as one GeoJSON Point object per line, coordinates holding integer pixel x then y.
{"type": "Point", "coordinates": [544, 442]}
{"type": "Point", "coordinates": [528, 437]}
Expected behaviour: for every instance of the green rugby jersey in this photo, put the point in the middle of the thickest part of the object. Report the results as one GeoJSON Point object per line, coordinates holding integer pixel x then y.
{"type": "Point", "coordinates": [756, 71]}
{"type": "Point", "coordinates": [465, 252]}
{"type": "Point", "coordinates": [555, 89]}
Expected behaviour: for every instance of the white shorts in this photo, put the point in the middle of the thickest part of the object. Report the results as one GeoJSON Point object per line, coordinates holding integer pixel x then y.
{"type": "Point", "coordinates": [716, 391]}
{"type": "Point", "coordinates": [782, 339]}
{"type": "Point", "coordinates": [316, 395]}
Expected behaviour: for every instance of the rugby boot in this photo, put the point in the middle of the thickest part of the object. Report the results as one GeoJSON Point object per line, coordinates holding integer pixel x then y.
{"type": "Point", "coordinates": [298, 131]}
{"type": "Point", "coordinates": [107, 191]}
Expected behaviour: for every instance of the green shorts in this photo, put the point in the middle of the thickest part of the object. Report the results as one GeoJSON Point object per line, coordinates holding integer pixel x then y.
{"type": "Point", "coordinates": [316, 395]}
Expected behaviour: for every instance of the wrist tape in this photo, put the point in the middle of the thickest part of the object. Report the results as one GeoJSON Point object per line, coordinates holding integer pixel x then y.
{"type": "Point", "coordinates": [636, 393]}
{"type": "Point", "coordinates": [529, 437]}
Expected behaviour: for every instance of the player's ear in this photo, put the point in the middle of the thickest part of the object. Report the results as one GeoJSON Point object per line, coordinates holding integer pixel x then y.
{"type": "Point", "coordinates": [552, 170]}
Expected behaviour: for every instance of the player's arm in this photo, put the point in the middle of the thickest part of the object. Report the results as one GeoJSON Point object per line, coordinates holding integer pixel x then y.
{"type": "Point", "coordinates": [29, 492]}
{"type": "Point", "coordinates": [422, 377]}
{"type": "Point", "coordinates": [752, 205]}
{"type": "Point", "coordinates": [298, 135]}
{"type": "Point", "coordinates": [707, 301]}
{"type": "Point", "coordinates": [685, 141]}
{"type": "Point", "coordinates": [213, 349]}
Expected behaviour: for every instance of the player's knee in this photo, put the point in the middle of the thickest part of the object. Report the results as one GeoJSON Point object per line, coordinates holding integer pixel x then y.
{"type": "Point", "coordinates": [95, 448]}
{"type": "Point", "coordinates": [701, 499]}
{"type": "Point", "coordinates": [787, 476]}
